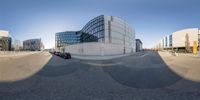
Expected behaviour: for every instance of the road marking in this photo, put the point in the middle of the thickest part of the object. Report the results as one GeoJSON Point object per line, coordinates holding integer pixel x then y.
{"type": "Point", "coordinates": [101, 64]}
{"type": "Point", "coordinates": [144, 55]}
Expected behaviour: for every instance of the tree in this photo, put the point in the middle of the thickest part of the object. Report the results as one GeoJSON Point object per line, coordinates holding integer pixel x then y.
{"type": "Point", "coordinates": [187, 43]}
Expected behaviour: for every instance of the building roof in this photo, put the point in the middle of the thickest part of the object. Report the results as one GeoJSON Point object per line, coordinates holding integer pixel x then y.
{"type": "Point", "coordinates": [139, 40]}
{"type": "Point", "coordinates": [32, 40]}
{"type": "Point", "coordinates": [4, 33]}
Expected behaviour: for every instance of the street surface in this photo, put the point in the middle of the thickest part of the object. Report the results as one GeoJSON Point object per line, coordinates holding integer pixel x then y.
{"type": "Point", "coordinates": [142, 76]}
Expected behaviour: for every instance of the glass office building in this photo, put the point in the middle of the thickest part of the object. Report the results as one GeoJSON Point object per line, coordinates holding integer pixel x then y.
{"type": "Point", "coordinates": [93, 31]}
{"type": "Point", "coordinates": [104, 30]}
{"type": "Point", "coordinates": [67, 38]}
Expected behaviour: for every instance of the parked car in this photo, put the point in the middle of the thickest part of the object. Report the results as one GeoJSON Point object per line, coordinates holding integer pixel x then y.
{"type": "Point", "coordinates": [63, 55]}
{"type": "Point", "coordinates": [52, 52]}
{"type": "Point", "coordinates": [57, 53]}
{"type": "Point", "coordinates": [66, 55]}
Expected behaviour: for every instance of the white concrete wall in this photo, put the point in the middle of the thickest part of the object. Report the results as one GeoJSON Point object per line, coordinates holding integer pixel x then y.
{"type": "Point", "coordinates": [179, 37]}
{"type": "Point", "coordinates": [96, 48]}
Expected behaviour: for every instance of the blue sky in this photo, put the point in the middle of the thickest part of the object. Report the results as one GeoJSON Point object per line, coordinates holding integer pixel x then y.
{"type": "Point", "coordinates": [151, 19]}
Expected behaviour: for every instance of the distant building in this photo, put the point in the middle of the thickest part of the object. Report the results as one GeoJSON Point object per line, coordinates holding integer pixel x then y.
{"type": "Point", "coordinates": [138, 45]}
{"type": "Point", "coordinates": [17, 45]}
{"type": "Point", "coordinates": [181, 40]}
{"type": "Point", "coordinates": [33, 45]}
{"type": "Point", "coordinates": [5, 41]}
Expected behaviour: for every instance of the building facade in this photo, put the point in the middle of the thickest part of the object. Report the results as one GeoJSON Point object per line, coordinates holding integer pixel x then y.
{"type": "Point", "coordinates": [5, 41]}
{"type": "Point", "coordinates": [180, 40]}
{"type": "Point", "coordinates": [103, 35]}
{"type": "Point", "coordinates": [138, 45]}
{"type": "Point", "coordinates": [33, 45]}
{"type": "Point", "coordinates": [67, 38]}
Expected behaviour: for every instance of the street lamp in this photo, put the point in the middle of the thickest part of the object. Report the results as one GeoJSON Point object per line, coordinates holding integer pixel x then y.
{"type": "Point", "coordinates": [199, 45]}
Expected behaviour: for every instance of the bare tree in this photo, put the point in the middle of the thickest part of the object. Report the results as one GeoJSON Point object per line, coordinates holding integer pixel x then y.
{"type": "Point", "coordinates": [187, 43]}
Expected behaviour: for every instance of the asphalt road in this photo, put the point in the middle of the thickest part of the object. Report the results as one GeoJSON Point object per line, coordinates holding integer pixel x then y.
{"type": "Point", "coordinates": [143, 76]}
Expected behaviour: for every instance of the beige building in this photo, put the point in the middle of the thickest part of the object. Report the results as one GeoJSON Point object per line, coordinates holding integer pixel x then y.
{"type": "Point", "coordinates": [179, 39]}
{"type": "Point", "coordinates": [5, 41]}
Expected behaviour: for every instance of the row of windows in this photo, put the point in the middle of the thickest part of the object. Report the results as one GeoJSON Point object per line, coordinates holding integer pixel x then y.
{"type": "Point", "coordinates": [98, 34]}
{"type": "Point", "coordinates": [95, 20]}
{"type": "Point", "coordinates": [93, 26]}
{"type": "Point", "coordinates": [170, 40]}
{"type": "Point", "coordinates": [68, 40]}
{"type": "Point", "coordinates": [101, 39]}
{"type": "Point", "coordinates": [67, 36]}
{"type": "Point", "coordinates": [95, 30]}
{"type": "Point", "coordinates": [71, 42]}
{"type": "Point", "coordinates": [64, 38]}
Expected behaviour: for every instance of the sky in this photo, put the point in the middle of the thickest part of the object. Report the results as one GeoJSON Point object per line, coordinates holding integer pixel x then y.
{"type": "Point", "coordinates": [151, 19]}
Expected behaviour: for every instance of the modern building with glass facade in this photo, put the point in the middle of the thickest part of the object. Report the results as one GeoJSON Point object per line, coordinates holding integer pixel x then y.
{"type": "Point", "coordinates": [179, 39]}
{"type": "Point", "coordinates": [5, 41]}
{"type": "Point", "coordinates": [33, 45]}
{"type": "Point", "coordinates": [67, 38]}
{"type": "Point", "coordinates": [103, 35]}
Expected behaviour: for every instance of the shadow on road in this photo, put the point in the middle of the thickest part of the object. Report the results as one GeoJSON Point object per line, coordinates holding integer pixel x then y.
{"type": "Point", "coordinates": [55, 67]}
{"type": "Point", "coordinates": [58, 67]}
{"type": "Point", "coordinates": [149, 72]}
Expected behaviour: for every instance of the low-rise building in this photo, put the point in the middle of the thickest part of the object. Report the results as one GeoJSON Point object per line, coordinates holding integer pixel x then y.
{"type": "Point", "coordinates": [5, 41]}
{"type": "Point", "coordinates": [33, 45]}
{"type": "Point", "coordinates": [182, 40]}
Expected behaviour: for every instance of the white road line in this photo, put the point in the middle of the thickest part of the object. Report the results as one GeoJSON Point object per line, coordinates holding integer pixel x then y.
{"type": "Point", "coordinates": [144, 55]}
{"type": "Point", "coordinates": [100, 64]}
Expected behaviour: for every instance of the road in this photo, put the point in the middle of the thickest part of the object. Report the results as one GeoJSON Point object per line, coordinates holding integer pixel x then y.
{"type": "Point", "coordinates": [143, 76]}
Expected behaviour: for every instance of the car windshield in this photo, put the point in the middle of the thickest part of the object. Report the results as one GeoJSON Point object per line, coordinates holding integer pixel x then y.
{"type": "Point", "coordinates": [99, 50]}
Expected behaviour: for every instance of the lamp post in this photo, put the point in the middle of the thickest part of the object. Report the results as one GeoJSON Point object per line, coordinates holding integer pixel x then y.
{"type": "Point", "coordinates": [199, 45]}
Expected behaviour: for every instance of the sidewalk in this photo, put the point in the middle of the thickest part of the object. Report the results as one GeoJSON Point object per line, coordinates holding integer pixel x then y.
{"type": "Point", "coordinates": [181, 54]}
{"type": "Point", "coordinates": [188, 54]}
{"type": "Point", "coordinates": [5, 54]}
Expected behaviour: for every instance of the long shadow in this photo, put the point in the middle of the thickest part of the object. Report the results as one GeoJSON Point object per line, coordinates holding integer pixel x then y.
{"type": "Point", "coordinates": [55, 67]}
{"type": "Point", "coordinates": [58, 67]}
{"type": "Point", "coordinates": [151, 72]}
